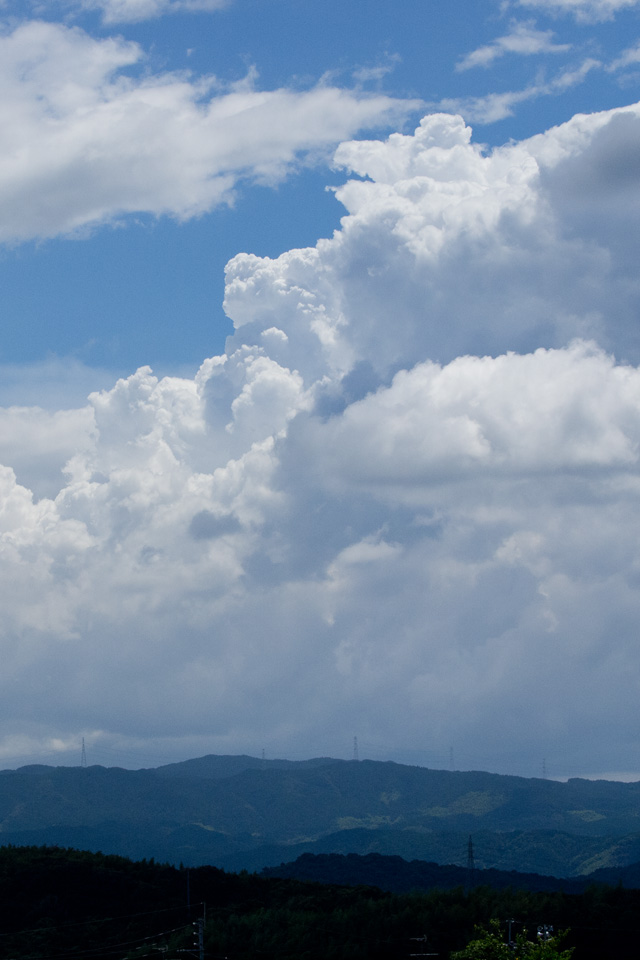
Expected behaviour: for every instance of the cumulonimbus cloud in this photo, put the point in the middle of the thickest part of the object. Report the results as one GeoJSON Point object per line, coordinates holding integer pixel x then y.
{"type": "Point", "coordinates": [404, 496]}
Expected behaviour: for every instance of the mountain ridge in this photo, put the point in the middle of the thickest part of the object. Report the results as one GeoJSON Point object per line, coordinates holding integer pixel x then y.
{"type": "Point", "coordinates": [242, 812]}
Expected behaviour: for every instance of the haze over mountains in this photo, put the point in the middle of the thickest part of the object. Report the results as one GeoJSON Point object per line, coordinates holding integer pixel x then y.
{"type": "Point", "coordinates": [240, 812]}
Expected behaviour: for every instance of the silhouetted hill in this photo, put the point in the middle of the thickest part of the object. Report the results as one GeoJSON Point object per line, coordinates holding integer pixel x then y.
{"type": "Point", "coordinates": [543, 851]}
{"type": "Point", "coordinates": [402, 876]}
{"type": "Point", "coordinates": [213, 767]}
{"type": "Point", "coordinates": [243, 812]}
{"type": "Point", "coordinates": [627, 876]}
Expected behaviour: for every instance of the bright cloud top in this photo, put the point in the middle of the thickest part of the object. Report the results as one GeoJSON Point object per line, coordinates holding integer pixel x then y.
{"type": "Point", "coordinates": [410, 482]}
{"type": "Point", "coordinates": [83, 143]}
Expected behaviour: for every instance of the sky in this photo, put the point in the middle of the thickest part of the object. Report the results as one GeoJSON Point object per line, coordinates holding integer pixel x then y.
{"type": "Point", "coordinates": [320, 383]}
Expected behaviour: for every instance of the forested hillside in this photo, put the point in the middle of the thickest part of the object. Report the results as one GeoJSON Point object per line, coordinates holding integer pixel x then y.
{"type": "Point", "coordinates": [67, 905]}
{"type": "Point", "coordinates": [241, 812]}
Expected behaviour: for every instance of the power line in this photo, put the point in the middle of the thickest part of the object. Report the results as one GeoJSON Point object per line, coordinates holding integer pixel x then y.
{"type": "Point", "coordinates": [109, 948]}
{"type": "Point", "coordinates": [92, 921]}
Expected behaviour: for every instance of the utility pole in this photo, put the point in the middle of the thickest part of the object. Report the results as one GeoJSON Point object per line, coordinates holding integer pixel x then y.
{"type": "Point", "coordinates": [198, 934]}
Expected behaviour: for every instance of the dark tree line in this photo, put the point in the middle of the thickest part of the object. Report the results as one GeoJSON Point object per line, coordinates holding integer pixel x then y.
{"type": "Point", "coordinates": [58, 904]}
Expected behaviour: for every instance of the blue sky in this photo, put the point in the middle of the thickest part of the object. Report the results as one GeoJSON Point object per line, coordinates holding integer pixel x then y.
{"type": "Point", "coordinates": [319, 394]}
{"type": "Point", "coordinates": [120, 296]}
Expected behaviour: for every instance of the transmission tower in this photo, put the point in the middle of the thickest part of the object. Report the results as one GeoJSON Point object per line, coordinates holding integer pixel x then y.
{"type": "Point", "coordinates": [355, 749]}
{"type": "Point", "coordinates": [544, 769]}
{"type": "Point", "coordinates": [83, 755]}
{"type": "Point", "coordinates": [471, 864]}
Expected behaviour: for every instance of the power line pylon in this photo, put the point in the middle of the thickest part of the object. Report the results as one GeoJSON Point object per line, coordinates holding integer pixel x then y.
{"type": "Point", "coordinates": [355, 749]}
{"type": "Point", "coordinates": [83, 755]}
{"type": "Point", "coordinates": [471, 865]}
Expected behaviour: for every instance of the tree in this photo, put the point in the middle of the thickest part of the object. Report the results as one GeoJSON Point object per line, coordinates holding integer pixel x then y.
{"type": "Point", "coordinates": [490, 945]}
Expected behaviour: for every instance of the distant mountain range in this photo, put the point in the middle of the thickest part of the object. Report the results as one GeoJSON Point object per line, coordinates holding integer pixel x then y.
{"type": "Point", "coordinates": [246, 813]}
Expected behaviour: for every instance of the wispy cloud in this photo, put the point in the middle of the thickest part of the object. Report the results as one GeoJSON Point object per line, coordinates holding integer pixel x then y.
{"type": "Point", "coordinates": [376, 73]}
{"type": "Point", "coordinates": [587, 11]}
{"type": "Point", "coordinates": [134, 11]}
{"type": "Point", "coordinates": [628, 58]}
{"type": "Point", "coordinates": [523, 40]}
{"type": "Point", "coordinates": [497, 106]}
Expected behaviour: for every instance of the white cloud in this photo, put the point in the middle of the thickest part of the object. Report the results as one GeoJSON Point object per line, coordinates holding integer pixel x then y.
{"type": "Point", "coordinates": [52, 383]}
{"type": "Point", "coordinates": [405, 496]}
{"type": "Point", "coordinates": [628, 58]}
{"type": "Point", "coordinates": [496, 106]}
{"type": "Point", "coordinates": [523, 39]}
{"type": "Point", "coordinates": [545, 411]}
{"type": "Point", "coordinates": [133, 11]}
{"type": "Point", "coordinates": [38, 444]}
{"type": "Point", "coordinates": [589, 11]}
{"type": "Point", "coordinates": [82, 143]}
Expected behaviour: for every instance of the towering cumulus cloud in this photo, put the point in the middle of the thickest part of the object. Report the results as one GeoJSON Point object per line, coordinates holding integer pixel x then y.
{"type": "Point", "coordinates": [403, 503]}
